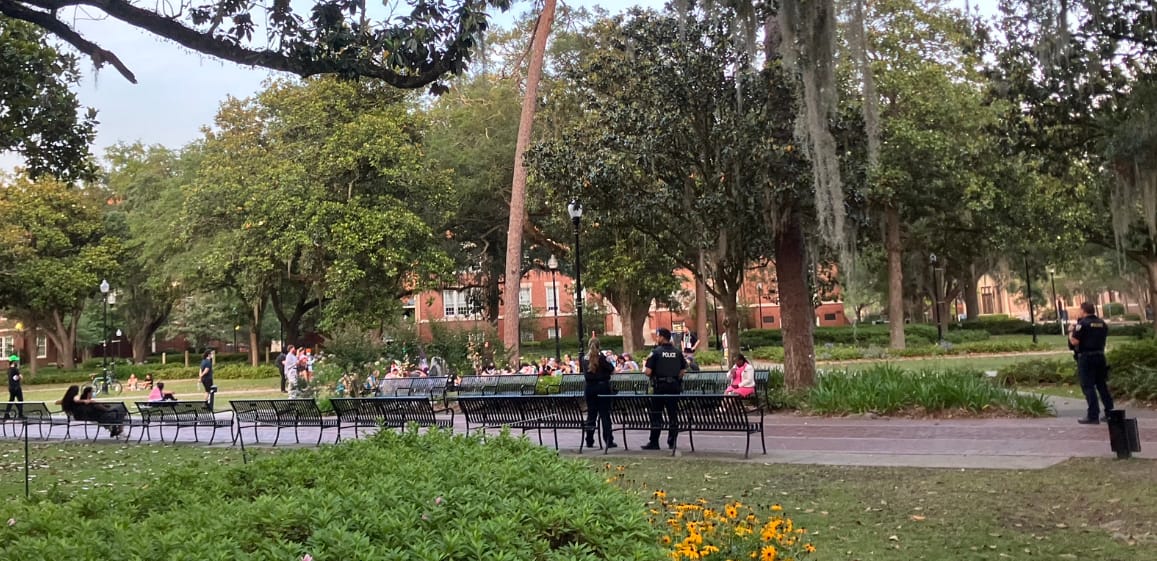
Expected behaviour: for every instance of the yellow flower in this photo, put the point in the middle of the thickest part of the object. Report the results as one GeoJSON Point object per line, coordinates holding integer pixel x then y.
{"type": "Point", "coordinates": [666, 540]}
{"type": "Point", "coordinates": [731, 511]}
{"type": "Point", "coordinates": [768, 553]}
{"type": "Point", "coordinates": [809, 548]}
{"type": "Point", "coordinates": [709, 549]}
{"type": "Point", "coordinates": [658, 494]}
{"type": "Point", "coordinates": [776, 508]}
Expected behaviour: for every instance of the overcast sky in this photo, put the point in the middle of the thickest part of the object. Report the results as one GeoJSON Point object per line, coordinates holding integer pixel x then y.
{"type": "Point", "coordinates": [178, 91]}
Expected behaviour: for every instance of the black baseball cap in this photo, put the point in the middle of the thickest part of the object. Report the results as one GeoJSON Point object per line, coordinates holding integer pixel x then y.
{"type": "Point", "coordinates": [664, 333]}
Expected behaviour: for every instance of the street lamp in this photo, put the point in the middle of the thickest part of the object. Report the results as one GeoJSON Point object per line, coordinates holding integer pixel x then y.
{"type": "Point", "coordinates": [104, 291]}
{"type": "Point", "coordinates": [937, 280]}
{"type": "Point", "coordinates": [575, 210]}
{"type": "Point", "coordinates": [552, 264]}
{"type": "Point", "coordinates": [1031, 306]}
{"type": "Point", "coordinates": [1056, 303]}
{"type": "Point", "coordinates": [236, 330]}
{"type": "Point", "coordinates": [759, 296]}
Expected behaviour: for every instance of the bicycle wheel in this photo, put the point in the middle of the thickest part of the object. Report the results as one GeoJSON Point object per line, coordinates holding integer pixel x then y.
{"type": "Point", "coordinates": [96, 388]}
{"type": "Point", "coordinates": [115, 388]}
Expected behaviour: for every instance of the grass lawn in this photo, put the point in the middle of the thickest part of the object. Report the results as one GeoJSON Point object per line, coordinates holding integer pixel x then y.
{"type": "Point", "coordinates": [979, 363]}
{"type": "Point", "coordinates": [183, 389]}
{"type": "Point", "coordinates": [1083, 509]}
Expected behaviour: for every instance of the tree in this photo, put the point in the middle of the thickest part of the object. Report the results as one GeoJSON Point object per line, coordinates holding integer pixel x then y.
{"type": "Point", "coordinates": [316, 194]}
{"type": "Point", "coordinates": [147, 181]}
{"type": "Point", "coordinates": [332, 37]}
{"type": "Point", "coordinates": [62, 254]}
{"type": "Point", "coordinates": [511, 335]}
{"type": "Point", "coordinates": [679, 148]}
{"type": "Point", "coordinates": [40, 116]}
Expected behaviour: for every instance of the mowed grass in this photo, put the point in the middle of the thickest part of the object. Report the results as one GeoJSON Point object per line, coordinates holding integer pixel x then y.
{"type": "Point", "coordinates": [183, 389]}
{"type": "Point", "coordinates": [1082, 509]}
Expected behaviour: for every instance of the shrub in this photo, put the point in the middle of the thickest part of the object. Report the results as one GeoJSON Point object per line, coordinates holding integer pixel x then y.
{"type": "Point", "coordinates": [998, 325]}
{"type": "Point", "coordinates": [390, 496]}
{"type": "Point", "coordinates": [766, 353]}
{"type": "Point", "coordinates": [1132, 317]}
{"type": "Point", "coordinates": [958, 336]}
{"type": "Point", "coordinates": [706, 358]}
{"type": "Point", "coordinates": [993, 346]}
{"type": "Point", "coordinates": [1137, 330]}
{"type": "Point", "coordinates": [1113, 309]}
{"type": "Point", "coordinates": [887, 389]}
{"type": "Point", "coordinates": [1038, 371]}
{"type": "Point", "coordinates": [1138, 382]}
{"type": "Point", "coordinates": [1135, 353]}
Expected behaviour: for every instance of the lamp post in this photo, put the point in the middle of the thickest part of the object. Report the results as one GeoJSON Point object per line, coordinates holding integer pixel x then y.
{"type": "Point", "coordinates": [1056, 303]}
{"type": "Point", "coordinates": [937, 280]}
{"type": "Point", "coordinates": [575, 210]}
{"type": "Point", "coordinates": [104, 291]}
{"type": "Point", "coordinates": [236, 330]}
{"type": "Point", "coordinates": [553, 265]}
{"type": "Point", "coordinates": [1028, 295]}
{"type": "Point", "coordinates": [759, 297]}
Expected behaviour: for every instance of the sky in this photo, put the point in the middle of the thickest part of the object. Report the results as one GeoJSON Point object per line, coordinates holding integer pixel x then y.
{"type": "Point", "coordinates": [178, 91]}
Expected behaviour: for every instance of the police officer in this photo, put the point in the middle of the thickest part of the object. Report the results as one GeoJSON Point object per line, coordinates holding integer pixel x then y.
{"type": "Point", "coordinates": [1087, 342]}
{"type": "Point", "coordinates": [665, 367]}
{"type": "Point", "coordinates": [15, 391]}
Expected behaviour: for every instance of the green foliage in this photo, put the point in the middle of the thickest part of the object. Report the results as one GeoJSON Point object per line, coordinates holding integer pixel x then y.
{"type": "Point", "coordinates": [710, 357]}
{"type": "Point", "coordinates": [1038, 372]}
{"type": "Point", "coordinates": [1113, 309]}
{"type": "Point", "coordinates": [390, 496]}
{"type": "Point", "coordinates": [864, 335]}
{"type": "Point", "coordinates": [1137, 331]}
{"type": "Point", "coordinates": [1133, 354]}
{"type": "Point", "coordinates": [888, 390]}
{"type": "Point", "coordinates": [1138, 382]}
{"type": "Point", "coordinates": [352, 349]}
{"type": "Point", "coordinates": [999, 325]}
{"type": "Point", "coordinates": [40, 116]}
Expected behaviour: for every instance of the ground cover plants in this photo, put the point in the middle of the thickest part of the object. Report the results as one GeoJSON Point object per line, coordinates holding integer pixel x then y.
{"type": "Point", "coordinates": [420, 497]}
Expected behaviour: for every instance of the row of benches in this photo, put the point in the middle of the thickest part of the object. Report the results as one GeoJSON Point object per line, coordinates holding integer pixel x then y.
{"type": "Point", "coordinates": [697, 412]}
{"type": "Point", "coordinates": [708, 382]}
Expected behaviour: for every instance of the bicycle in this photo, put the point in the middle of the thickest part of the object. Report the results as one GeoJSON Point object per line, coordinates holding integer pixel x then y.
{"type": "Point", "coordinates": [108, 384]}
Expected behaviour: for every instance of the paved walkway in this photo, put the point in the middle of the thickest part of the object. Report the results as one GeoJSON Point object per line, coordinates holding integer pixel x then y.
{"type": "Point", "coordinates": [964, 443]}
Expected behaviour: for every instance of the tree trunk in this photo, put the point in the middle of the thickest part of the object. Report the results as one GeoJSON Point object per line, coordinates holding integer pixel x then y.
{"type": "Point", "coordinates": [67, 341]}
{"type": "Point", "coordinates": [258, 312]}
{"type": "Point", "coordinates": [291, 322]}
{"type": "Point", "coordinates": [1151, 267]}
{"type": "Point", "coordinates": [30, 346]}
{"type": "Point", "coordinates": [893, 245]}
{"type": "Point", "coordinates": [971, 294]}
{"type": "Point", "coordinates": [140, 343]}
{"type": "Point", "coordinates": [510, 306]}
{"type": "Point", "coordinates": [634, 315]}
{"type": "Point", "coordinates": [731, 326]}
{"type": "Point", "coordinates": [701, 305]}
{"type": "Point", "coordinates": [798, 315]}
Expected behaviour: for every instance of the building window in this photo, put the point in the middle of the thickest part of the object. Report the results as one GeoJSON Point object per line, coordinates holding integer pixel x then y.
{"type": "Point", "coordinates": [527, 335]}
{"type": "Point", "coordinates": [829, 317]}
{"type": "Point", "coordinates": [455, 303]}
{"type": "Point", "coordinates": [7, 346]}
{"type": "Point", "coordinates": [41, 346]}
{"type": "Point", "coordinates": [770, 320]}
{"type": "Point", "coordinates": [524, 302]}
{"type": "Point", "coordinates": [551, 333]}
{"type": "Point", "coordinates": [551, 301]}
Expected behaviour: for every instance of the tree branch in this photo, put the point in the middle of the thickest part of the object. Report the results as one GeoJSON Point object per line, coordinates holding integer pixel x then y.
{"type": "Point", "coordinates": [49, 23]}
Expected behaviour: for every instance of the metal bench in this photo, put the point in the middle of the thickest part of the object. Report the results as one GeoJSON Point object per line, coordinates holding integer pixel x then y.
{"type": "Point", "coordinates": [389, 412]}
{"type": "Point", "coordinates": [512, 384]}
{"type": "Point", "coordinates": [279, 414]}
{"type": "Point", "coordinates": [572, 384]}
{"type": "Point", "coordinates": [180, 414]}
{"type": "Point", "coordinates": [433, 388]}
{"type": "Point", "coordinates": [19, 414]}
{"type": "Point", "coordinates": [629, 383]}
{"type": "Point", "coordinates": [697, 412]}
{"type": "Point", "coordinates": [525, 413]}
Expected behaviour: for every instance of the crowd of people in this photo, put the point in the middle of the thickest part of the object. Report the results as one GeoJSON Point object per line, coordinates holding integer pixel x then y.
{"type": "Point", "coordinates": [296, 367]}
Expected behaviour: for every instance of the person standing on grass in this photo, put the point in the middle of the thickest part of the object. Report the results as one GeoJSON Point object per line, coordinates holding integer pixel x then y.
{"type": "Point", "coordinates": [206, 375]}
{"type": "Point", "coordinates": [1087, 342]}
{"type": "Point", "coordinates": [280, 362]}
{"type": "Point", "coordinates": [15, 387]}
{"type": "Point", "coordinates": [665, 367]}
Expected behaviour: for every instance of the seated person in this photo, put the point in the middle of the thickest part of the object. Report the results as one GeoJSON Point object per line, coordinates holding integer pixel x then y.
{"type": "Point", "coordinates": [132, 382]}
{"type": "Point", "coordinates": [148, 385]}
{"type": "Point", "coordinates": [159, 393]}
{"type": "Point", "coordinates": [630, 364]}
{"type": "Point", "coordinates": [742, 378]}
{"type": "Point", "coordinates": [83, 408]}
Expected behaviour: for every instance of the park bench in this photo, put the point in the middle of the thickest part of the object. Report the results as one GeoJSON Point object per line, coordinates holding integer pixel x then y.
{"type": "Point", "coordinates": [432, 388]}
{"type": "Point", "coordinates": [279, 414]}
{"type": "Point", "coordinates": [572, 384]}
{"type": "Point", "coordinates": [499, 384]}
{"type": "Point", "coordinates": [705, 382]}
{"type": "Point", "coordinates": [115, 406]}
{"type": "Point", "coordinates": [698, 412]}
{"type": "Point", "coordinates": [180, 414]}
{"type": "Point", "coordinates": [35, 413]}
{"type": "Point", "coordinates": [389, 412]}
{"type": "Point", "coordinates": [526, 413]}
{"type": "Point", "coordinates": [630, 383]}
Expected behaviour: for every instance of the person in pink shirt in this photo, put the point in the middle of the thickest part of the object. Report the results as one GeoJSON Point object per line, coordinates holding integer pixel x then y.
{"type": "Point", "coordinates": [159, 393]}
{"type": "Point", "coordinates": [742, 378]}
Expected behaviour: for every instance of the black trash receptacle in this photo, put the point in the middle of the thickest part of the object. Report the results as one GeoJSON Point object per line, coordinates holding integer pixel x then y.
{"type": "Point", "coordinates": [1124, 437]}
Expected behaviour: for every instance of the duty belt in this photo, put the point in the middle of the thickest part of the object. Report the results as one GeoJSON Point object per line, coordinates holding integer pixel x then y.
{"type": "Point", "coordinates": [666, 380]}
{"type": "Point", "coordinates": [1090, 352]}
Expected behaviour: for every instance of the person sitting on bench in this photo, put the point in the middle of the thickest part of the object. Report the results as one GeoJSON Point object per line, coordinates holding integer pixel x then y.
{"type": "Point", "coordinates": [159, 393]}
{"type": "Point", "coordinates": [742, 378]}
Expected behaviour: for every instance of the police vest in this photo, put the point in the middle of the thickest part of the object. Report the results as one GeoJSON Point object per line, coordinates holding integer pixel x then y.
{"type": "Point", "coordinates": [665, 364]}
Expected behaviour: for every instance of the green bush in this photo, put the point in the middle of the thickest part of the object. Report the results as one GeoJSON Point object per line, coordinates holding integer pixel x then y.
{"type": "Point", "coordinates": [1132, 317]}
{"type": "Point", "coordinates": [958, 336]}
{"type": "Point", "coordinates": [887, 389]}
{"type": "Point", "coordinates": [1113, 309]}
{"type": "Point", "coordinates": [774, 354]}
{"type": "Point", "coordinates": [1136, 330]}
{"type": "Point", "coordinates": [706, 358]}
{"type": "Point", "coordinates": [390, 496]}
{"type": "Point", "coordinates": [998, 325]}
{"type": "Point", "coordinates": [242, 372]}
{"type": "Point", "coordinates": [1134, 353]}
{"type": "Point", "coordinates": [848, 335]}
{"type": "Point", "coordinates": [547, 385]}
{"type": "Point", "coordinates": [1138, 382]}
{"type": "Point", "coordinates": [1038, 371]}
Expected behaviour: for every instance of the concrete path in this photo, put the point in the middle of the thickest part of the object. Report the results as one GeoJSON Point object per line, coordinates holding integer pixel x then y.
{"type": "Point", "coordinates": [949, 443]}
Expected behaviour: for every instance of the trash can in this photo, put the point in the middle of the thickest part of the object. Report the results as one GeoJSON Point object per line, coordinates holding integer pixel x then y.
{"type": "Point", "coordinates": [1124, 438]}
{"type": "Point", "coordinates": [212, 395]}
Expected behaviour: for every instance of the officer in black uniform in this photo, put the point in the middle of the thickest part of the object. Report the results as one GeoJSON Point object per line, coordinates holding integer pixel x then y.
{"type": "Point", "coordinates": [1087, 342]}
{"type": "Point", "coordinates": [665, 367]}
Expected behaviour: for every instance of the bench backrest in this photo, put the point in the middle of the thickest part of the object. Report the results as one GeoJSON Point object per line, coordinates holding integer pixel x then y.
{"type": "Point", "coordinates": [572, 384]}
{"type": "Point", "coordinates": [513, 384]}
{"type": "Point", "coordinates": [516, 411]}
{"type": "Point", "coordinates": [175, 411]}
{"type": "Point", "coordinates": [713, 412]}
{"type": "Point", "coordinates": [33, 409]}
{"type": "Point", "coordinates": [389, 411]}
{"type": "Point", "coordinates": [254, 410]}
{"type": "Point", "coordinates": [429, 387]}
{"type": "Point", "coordinates": [705, 382]}
{"type": "Point", "coordinates": [297, 410]}
{"type": "Point", "coordinates": [630, 383]}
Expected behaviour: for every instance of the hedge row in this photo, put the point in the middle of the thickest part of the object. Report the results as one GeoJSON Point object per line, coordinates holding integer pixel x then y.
{"type": "Point", "coordinates": [177, 372]}
{"type": "Point", "coordinates": [843, 352]}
